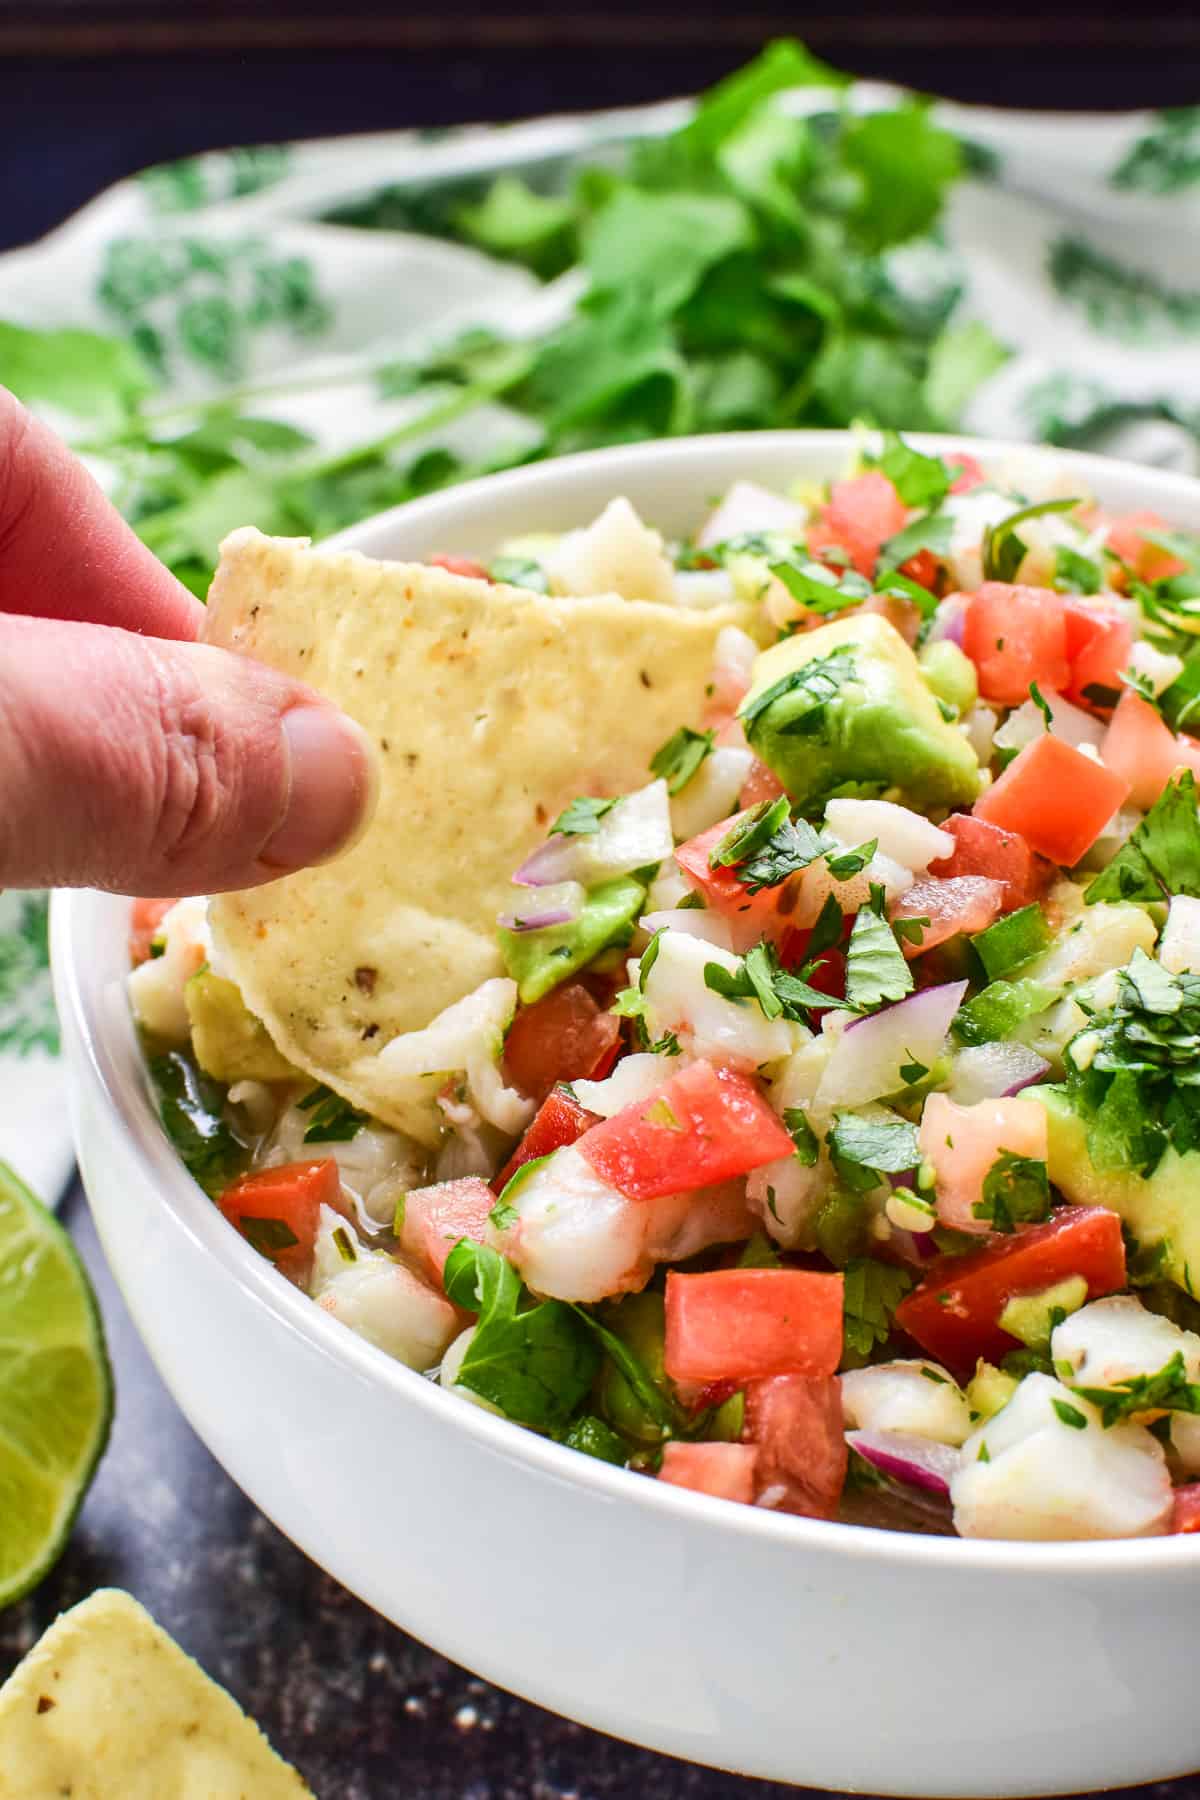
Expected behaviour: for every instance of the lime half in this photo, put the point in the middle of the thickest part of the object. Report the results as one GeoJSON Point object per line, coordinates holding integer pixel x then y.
{"type": "Point", "coordinates": [55, 1387]}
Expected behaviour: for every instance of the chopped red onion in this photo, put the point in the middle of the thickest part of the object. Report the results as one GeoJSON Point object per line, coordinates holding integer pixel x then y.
{"type": "Point", "coordinates": [550, 863]}
{"type": "Point", "coordinates": [559, 904]}
{"type": "Point", "coordinates": [635, 833]}
{"type": "Point", "coordinates": [916, 1461]}
{"type": "Point", "coordinates": [994, 1071]}
{"type": "Point", "coordinates": [867, 1061]}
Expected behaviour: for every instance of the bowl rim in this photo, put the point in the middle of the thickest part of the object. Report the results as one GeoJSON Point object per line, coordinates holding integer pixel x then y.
{"type": "Point", "coordinates": [107, 1042]}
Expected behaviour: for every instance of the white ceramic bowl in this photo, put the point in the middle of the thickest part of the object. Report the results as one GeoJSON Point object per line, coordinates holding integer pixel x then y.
{"type": "Point", "coordinates": [829, 1655]}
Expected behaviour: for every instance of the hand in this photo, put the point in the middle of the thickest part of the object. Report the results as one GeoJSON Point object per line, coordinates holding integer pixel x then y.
{"type": "Point", "coordinates": [132, 758]}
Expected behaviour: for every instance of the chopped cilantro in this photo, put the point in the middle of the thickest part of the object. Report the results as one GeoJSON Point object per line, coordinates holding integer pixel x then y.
{"type": "Point", "coordinates": [919, 480]}
{"type": "Point", "coordinates": [793, 846]}
{"type": "Point", "coordinates": [1075, 573]}
{"type": "Point", "coordinates": [1070, 1415]}
{"type": "Point", "coordinates": [582, 816]}
{"type": "Point", "coordinates": [911, 931]}
{"type": "Point", "coordinates": [816, 683]}
{"type": "Point", "coordinates": [872, 1292]}
{"type": "Point", "coordinates": [1162, 856]}
{"type": "Point", "coordinates": [844, 865]}
{"type": "Point", "coordinates": [876, 970]}
{"type": "Point", "coordinates": [795, 1123]}
{"type": "Point", "coordinates": [1168, 1390]}
{"type": "Point", "coordinates": [760, 976]}
{"type": "Point", "coordinates": [818, 589]}
{"type": "Point", "coordinates": [751, 833]}
{"type": "Point", "coordinates": [1003, 550]}
{"type": "Point", "coordinates": [1016, 1191]}
{"type": "Point", "coordinates": [270, 1237]}
{"type": "Point", "coordinates": [865, 1148]}
{"type": "Point", "coordinates": [680, 757]}
{"type": "Point", "coordinates": [932, 531]}
{"type": "Point", "coordinates": [520, 571]}
{"type": "Point", "coordinates": [333, 1120]}
{"type": "Point", "coordinates": [1043, 705]}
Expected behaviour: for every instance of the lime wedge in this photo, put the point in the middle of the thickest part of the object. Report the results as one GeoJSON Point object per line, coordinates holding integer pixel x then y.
{"type": "Point", "coordinates": [55, 1388]}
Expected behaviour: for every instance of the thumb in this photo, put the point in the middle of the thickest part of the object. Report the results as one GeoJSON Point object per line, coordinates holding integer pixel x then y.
{"type": "Point", "coordinates": [149, 767]}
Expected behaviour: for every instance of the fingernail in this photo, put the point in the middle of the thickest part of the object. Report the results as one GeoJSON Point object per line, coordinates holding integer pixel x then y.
{"type": "Point", "coordinates": [331, 791]}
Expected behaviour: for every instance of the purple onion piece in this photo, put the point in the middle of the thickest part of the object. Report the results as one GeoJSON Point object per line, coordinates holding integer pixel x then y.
{"type": "Point", "coordinates": [537, 921]}
{"type": "Point", "coordinates": [551, 862]}
{"type": "Point", "coordinates": [905, 1457]}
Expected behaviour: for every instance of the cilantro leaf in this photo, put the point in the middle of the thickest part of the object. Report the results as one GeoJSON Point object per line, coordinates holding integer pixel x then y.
{"type": "Point", "coordinates": [1162, 855]}
{"type": "Point", "coordinates": [333, 1121]}
{"type": "Point", "coordinates": [581, 817]}
{"type": "Point", "coordinates": [1168, 1390]}
{"type": "Point", "coordinates": [760, 976]}
{"type": "Point", "coordinates": [795, 1123]}
{"type": "Point", "coordinates": [814, 684]}
{"type": "Point", "coordinates": [843, 865]}
{"type": "Point", "coordinates": [872, 1292]}
{"type": "Point", "coordinates": [867, 1147]}
{"type": "Point", "coordinates": [678, 759]}
{"type": "Point", "coordinates": [1075, 573]}
{"type": "Point", "coordinates": [1070, 1415]}
{"type": "Point", "coordinates": [1003, 550]}
{"type": "Point", "coordinates": [818, 589]}
{"type": "Point", "coordinates": [919, 480]}
{"type": "Point", "coordinates": [191, 1106]}
{"type": "Point", "coordinates": [535, 1363]}
{"type": "Point", "coordinates": [270, 1237]}
{"type": "Point", "coordinates": [932, 531]}
{"type": "Point", "coordinates": [794, 846]}
{"type": "Point", "coordinates": [1016, 1191]}
{"type": "Point", "coordinates": [876, 970]}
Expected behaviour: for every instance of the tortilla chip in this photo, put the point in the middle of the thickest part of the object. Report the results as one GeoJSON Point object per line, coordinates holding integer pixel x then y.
{"type": "Point", "coordinates": [491, 707]}
{"type": "Point", "coordinates": [106, 1704]}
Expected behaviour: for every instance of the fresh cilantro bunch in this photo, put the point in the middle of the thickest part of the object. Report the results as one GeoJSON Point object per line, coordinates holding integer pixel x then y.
{"type": "Point", "coordinates": [1134, 1072]}
{"type": "Point", "coordinates": [735, 274]}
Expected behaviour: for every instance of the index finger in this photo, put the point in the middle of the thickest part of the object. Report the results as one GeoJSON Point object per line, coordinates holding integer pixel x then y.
{"type": "Point", "coordinates": [65, 551]}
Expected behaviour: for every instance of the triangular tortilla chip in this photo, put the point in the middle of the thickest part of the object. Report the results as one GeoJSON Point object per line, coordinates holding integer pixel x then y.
{"type": "Point", "coordinates": [107, 1705]}
{"type": "Point", "coordinates": [491, 707]}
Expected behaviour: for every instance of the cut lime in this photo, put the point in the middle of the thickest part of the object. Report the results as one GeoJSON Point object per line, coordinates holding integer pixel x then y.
{"type": "Point", "coordinates": [55, 1388]}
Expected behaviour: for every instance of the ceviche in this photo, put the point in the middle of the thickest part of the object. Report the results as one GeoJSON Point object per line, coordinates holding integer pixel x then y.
{"type": "Point", "coordinates": [757, 1041]}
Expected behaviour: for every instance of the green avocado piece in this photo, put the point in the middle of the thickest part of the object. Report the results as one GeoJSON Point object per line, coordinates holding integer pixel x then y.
{"type": "Point", "coordinates": [228, 1041]}
{"type": "Point", "coordinates": [540, 960]}
{"type": "Point", "coordinates": [1159, 1209]}
{"type": "Point", "coordinates": [846, 709]}
{"type": "Point", "coordinates": [1030, 1317]}
{"type": "Point", "coordinates": [989, 1390]}
{"type": "Point", "coordinates": [949, 675]}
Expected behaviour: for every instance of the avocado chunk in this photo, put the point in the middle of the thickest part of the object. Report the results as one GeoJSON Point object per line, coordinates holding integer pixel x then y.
{"type": "Point", "coordinates": [539, 960]}
{"type": "Point", "coordinates": [845, 708]}
{"type": "Point", "coordinates": [1032, 1317]}
{"type": "Point", "coordinates": [1160, 1209]}
{"type": "Point", "coordinates": [229, 1042]}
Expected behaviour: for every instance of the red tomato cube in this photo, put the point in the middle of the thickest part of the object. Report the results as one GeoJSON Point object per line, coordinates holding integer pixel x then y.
{"type": "Point", "coordinates": [1016, 636]}
{"type": "Point", "coordinates": [746, 1324]}
{"type": "Point", "coordinates": [954, 1313]}
{"type": "Point", "coordinates": [1057, 798]}
{"type": "Point", "coordinates": [559, 1121]}
{"type": "Point", "coordinates": [435, 1218]}
{"type": "Point", "coordinates": [962, 903]}
{"type": "Point", "coordinates": [795, 1422]}
{"type": "Point", "coordinates": [1186, 1516]}
{"type": "Point", "coordinates": [144, 920]}
{"type": "Point", "coordinates": [566, 1036]}
{"type": "Point", "coordinates": [704, 1126]}
{"type": "Point", "coordinates": [1003, 856]}
{"type": "Point", "coordinates": [290, 1196]}
{"type": "Point", "coordinates": [459, 565]}
{"type": "Point", "coordinates": [723, 1470]}
{"type": "Point", "coordinates": [760, 913]}
{"type": "Point", "coordinates": [1143, 751]}
{"type": "Point", "coordinates": [861, 516]}
{"type": "Point", "coordinates": [1098, 645]}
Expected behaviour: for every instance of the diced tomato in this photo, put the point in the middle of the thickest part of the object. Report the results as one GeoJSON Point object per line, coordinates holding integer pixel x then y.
{"type": "Point", "coordinates": [565, 1037]}
{"type": "Point", "coordinates": [560, 1120]}
{"type": "Point", "coordinates": [961, 1144]}
{"type": "Point", "coordinates": [1058, 799]}
{"type": "Point", "coordinates": [1102, 641]}
{"type": "Point", "coordinates": [290, 1196]}
{"type": "Point", "coordinates": [921, 568]}
{"type": "Point", "coordinates": [746, 1324]}
{"type": "Point", "coordinates": [436, 1217]}
{"type": "Point", "coordinates": [765, 911]}
{"type": "Point", "coordinates": [1143, 751]}
{"type": "Point", "coordinates": [1151, 562]}
{"type": "Point", "coordinates": [704, 1126]}
{"type": "Point", "coordinates": [970, 473]}
{"type": "Point", "coordinates": [1016, 636]}
{"type": "Point", "coordinates": [861, 516]}
{"type": "Point", "coordinates": [1186, 1514]}
{"type": "Point", "coordinates": [954, 1313]}
{"type": "Point", "coordinates": [962, 903]}
{"type": "Point", "coordinates": [723, 1470]}
{"type": "Point", "coordinates": [796, 1424]}
{"type": "Point", "coordinates": [459, 565]}
{"type": "Point", "coordinates": [761, 783]}
{"type": "Point", "coordinates": [144, 920]}
{"type": "Point", "coordinates": [1004, 856]}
